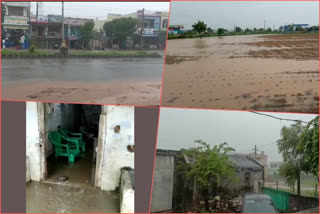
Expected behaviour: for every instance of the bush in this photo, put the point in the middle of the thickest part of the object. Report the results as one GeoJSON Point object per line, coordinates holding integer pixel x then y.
{"type": "Point", "coordinates": [32, 49]}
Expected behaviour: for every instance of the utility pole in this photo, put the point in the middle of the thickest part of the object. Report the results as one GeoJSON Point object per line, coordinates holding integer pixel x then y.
{"type": "Point", "coordinates": [37, 14]}
{"type": "Point", "coordinates": [264, 24]}
{"type": "Point", "coordinates": [142, 25]}
{"type": "Point", "coordinates": [62, 22]}
{"type": "Point", "coordinates": [255, 151]}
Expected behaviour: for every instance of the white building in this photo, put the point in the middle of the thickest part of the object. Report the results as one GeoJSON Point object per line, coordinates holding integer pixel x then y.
{"type": "Point", "coordinates": [17, 16]}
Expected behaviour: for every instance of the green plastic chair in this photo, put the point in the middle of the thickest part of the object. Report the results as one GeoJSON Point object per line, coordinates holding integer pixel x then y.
{"type": "Point", "coordinates": [75, 136]}
{"type": "Point", "coordinates": [64, 146]}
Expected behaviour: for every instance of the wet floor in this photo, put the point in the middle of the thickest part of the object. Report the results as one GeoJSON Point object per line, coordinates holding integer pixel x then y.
{"type": "Point", "coordinates": [56, 198]}
{"type": "Point", "coordinates": [89, 70]}
{"type": "Point", "coordinates": [81, 173]}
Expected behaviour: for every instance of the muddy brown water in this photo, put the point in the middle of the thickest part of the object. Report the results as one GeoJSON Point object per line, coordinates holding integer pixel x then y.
{"type": "Point", "coordinates": [54, 198]}
{"type": "Point", "coordinates": [219, 73]}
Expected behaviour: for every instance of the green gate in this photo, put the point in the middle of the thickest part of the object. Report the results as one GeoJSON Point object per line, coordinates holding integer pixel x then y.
{"type": "Point", "coordinates": [279, 198]}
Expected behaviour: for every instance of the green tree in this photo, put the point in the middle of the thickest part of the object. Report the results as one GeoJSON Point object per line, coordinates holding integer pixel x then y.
{"type": "Point", "coordinates": [199, 27]}
{"type": "Point", "coordinates": [293, 161]}
{"type": "Point", "coordinates": [238, 29]}
{"type": "Point", "coordinates": [120, 29]}
{"type": "Point", "coordinates": [209, 163]}
{"type": "Point", "coordinates": [220, 31]}
{"type": "Point", "coordinates": [247, 30]}
{"type": "Point", "coordinates": [86, 32]}
{"type": "Point", "coordinates": [210, 30]}
{"type": "Point", "coordinates": [308, 147]}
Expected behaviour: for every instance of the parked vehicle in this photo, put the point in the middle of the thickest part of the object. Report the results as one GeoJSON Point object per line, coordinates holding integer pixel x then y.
{"type": "Point", "coordinates": [258, 203]}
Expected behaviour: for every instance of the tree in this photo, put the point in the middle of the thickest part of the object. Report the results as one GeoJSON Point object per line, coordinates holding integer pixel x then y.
{"type": "Point", "coordinates": [281, 28]}
{"type": "Point", "coordinates": [308, 147]}
{"type": "Point", "coordinates": [86, 32]}
{"type": "Point", "coordinates": [238, 29]}
{"type": "Point", "coordinates": [120, 29]}
{"type": "Point", "coordinates": [287, 146]}
{"type": "Point", "coordinates": [199, 27]}
{"type": "Point", "coordinates": [220, 31]}
{"type": "Point", "coordinates": [210, 30]}
{"type": "Point", "coordinates": [209, 163]}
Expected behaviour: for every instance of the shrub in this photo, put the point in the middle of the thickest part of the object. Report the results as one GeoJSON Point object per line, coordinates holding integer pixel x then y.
{"type": "Point", "coordinates": [32, 49]}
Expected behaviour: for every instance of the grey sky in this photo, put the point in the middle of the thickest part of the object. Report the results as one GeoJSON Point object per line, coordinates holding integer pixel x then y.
{"type": "Point", "coordinates": [250, 14]}
{"type": "Point", "coordinates": [98, 9]}
{"type": "Point", "coordinates": [179, 128]}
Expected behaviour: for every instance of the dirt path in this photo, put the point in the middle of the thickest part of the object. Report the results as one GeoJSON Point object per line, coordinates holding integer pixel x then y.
{"type": "Point", "coordinates": [235, 73]}
{"type": "Point", "coordinates": [120, 92]}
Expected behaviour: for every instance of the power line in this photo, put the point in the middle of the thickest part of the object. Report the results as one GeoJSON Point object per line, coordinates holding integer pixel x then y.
{"type": "Point", "coordinates": [278, 118]}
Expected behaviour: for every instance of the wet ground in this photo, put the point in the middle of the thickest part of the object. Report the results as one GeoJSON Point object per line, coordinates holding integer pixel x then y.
{"type": "Point", "coordinates": [57, 198]}
{"type": "Point", "coordinates": [251, 72]}
{"type": "Point", "coordinates": [81, 173]}
{"type": "Point", "coordinates": [108, 81]}
{"type": "Point", "coordinates": [76, 195]}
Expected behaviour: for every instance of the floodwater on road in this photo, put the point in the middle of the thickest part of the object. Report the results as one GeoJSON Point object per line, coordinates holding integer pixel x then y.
{"type": "Point", "coordinates": [250, 72]}
{"type": "Point", "coordinates": [102, 81]}
{"type": "Point", "coordinates": [85, 69]}
{"type": "Point", "coordinates": [56, 198]}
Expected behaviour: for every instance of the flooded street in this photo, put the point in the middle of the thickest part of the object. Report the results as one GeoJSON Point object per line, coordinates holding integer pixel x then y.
{"type": "Point", "coordinates": [54, 198]}
{"type": "Point", "coordinates": [112, 81]}
{"type": "Point", "coordinates": [250, 72]}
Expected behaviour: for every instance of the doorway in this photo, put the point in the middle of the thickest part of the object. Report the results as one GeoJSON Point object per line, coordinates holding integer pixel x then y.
{"type": "Point", "coordinates": [75, 118]}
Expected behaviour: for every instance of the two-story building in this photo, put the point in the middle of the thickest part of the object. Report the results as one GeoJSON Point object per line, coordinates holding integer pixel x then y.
{"type": "Point", "coordinates": [16, 21]}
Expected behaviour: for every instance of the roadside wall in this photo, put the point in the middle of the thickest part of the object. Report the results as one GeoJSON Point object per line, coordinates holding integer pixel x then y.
{"type": "Point", "coordinates": [298, 203]}
{"type": "Point", "coordinates": [115, 153]}
{"type": "Point", "coordinates": [163, 180]}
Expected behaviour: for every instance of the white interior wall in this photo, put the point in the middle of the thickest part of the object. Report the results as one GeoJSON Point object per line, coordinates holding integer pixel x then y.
{"type": "Point", "coordinates": [33, 141]}
{"type": "Point", "coordinates": [115, 154]}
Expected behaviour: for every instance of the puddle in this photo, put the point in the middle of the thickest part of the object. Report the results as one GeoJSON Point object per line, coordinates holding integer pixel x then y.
{"type": "Point", "coordinates": [54, 198]}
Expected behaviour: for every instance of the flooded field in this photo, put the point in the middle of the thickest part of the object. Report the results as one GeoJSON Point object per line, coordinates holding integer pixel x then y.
{"type": "Point", "coordinates": [251, 72]}
{"type": "Point", "coordinates": [112, 81]}
{"type": "Point", "coordinates": [57, 198]}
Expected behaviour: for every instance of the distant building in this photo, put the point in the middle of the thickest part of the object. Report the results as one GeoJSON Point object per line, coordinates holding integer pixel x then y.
{"type": "Point", "coordinates": [46, 31]}
{"type": "Point", "coordinates": [170, 189]}
{"type": "Point", "coordinates": [153, 21]}
{"type": "Point", "coordinates": [274, 167]}
{"type": "Point", "coordinates": [261, 158]}
{"type": "Point", "coordinates": [175, 29]}
{"type": "Point", "coordinates": [153, 24]}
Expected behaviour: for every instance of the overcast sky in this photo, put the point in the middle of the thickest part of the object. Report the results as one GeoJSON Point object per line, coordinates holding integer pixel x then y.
{"type": "Point", "coordinates": [250, 14]}
{"type": "Point", "coordinates": [97, 9]}
{"type": "Point", "coordinates": [179, 128]}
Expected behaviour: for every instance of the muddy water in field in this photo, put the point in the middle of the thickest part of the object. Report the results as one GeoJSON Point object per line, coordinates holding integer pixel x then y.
{"type": "Point", "coordinates": [54, 198]}
{"type": "Point", "coordinates": [255, 72]}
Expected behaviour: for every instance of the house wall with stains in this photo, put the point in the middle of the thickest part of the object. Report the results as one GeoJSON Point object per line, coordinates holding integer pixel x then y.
{"type": "Point", "coordinates": [32, 142]}
{"type": "Point", "coordinates": [58, 114]}
{"type": "Point", "coordinates": [115, 152]}
{"type": "Point", "coordinates": [163, 182]}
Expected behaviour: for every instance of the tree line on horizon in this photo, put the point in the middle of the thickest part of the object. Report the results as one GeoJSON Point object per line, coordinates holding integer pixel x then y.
{"type": "Point", "coordinates": [200, 29]}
